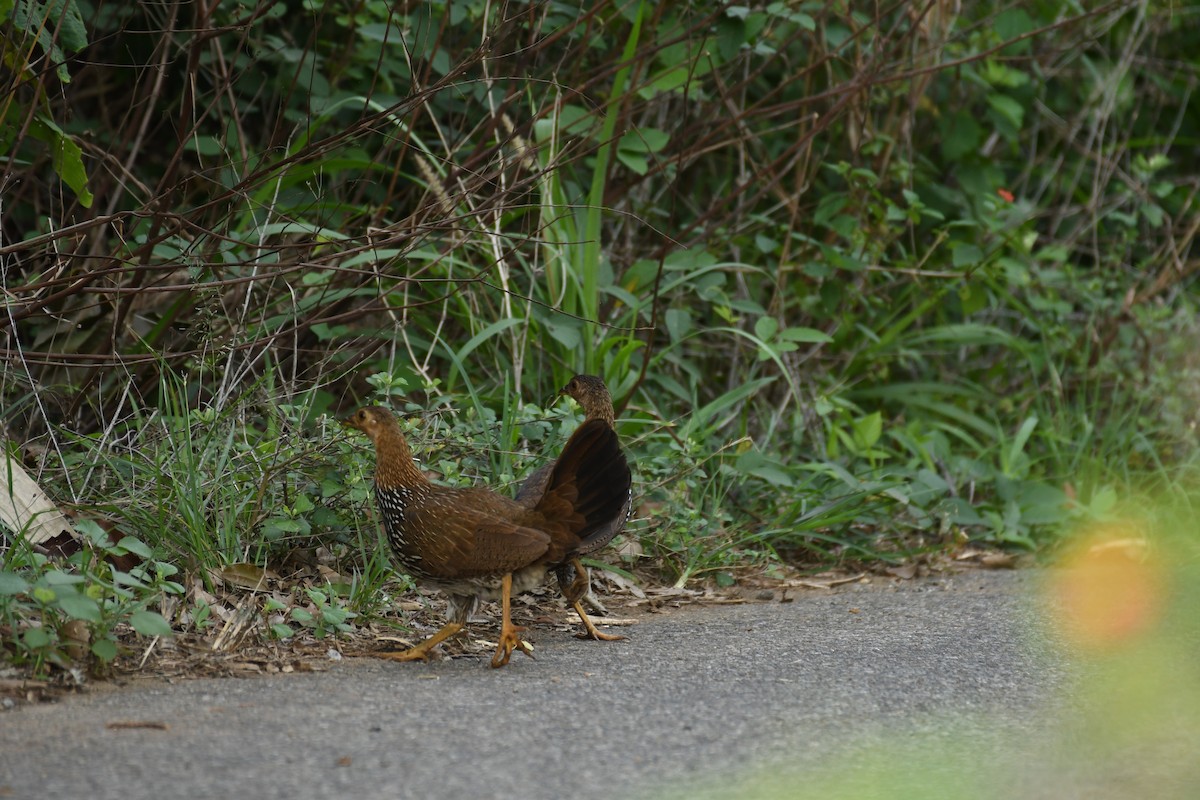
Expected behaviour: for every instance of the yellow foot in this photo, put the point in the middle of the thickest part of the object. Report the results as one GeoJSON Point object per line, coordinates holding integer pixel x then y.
{"type": "Point", "coordinates": [417, 653]}
{"type": "Point", "coordinates": [421, 651]}
{"type": "Point", "coordinates": [589, 631]}
{"type": "Point", "coordinates": [509, 641]}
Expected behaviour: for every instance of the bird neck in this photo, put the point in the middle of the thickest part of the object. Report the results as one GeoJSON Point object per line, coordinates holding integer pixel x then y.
{"type": "Point", "coordinates": [394, 464]}
{"type": "Point", "coordinates": [602, 411]}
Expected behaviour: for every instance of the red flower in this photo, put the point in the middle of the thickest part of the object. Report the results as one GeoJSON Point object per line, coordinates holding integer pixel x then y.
{"type": "Point", "coordinates": [1005, 195]}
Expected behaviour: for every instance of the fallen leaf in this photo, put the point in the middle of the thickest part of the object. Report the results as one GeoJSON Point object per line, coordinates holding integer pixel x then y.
{"type": "Point", "coordinates": [26, 509]}
{"type": "Point", "coordinates": [621, 582]}
{"type": "Point", "coordinates": [247, 576]}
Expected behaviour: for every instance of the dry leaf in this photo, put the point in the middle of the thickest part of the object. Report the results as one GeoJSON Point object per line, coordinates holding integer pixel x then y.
{"type": "Point", "coordinates": [621, 582]}
{"type": "Point", "coordinates": [247, 576]}
{"type": "Point", "coordinates": [26, 509]}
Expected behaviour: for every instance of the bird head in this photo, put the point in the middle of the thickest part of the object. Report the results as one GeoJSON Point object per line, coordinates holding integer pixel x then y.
{"type": "Point", "coordinates": [589, 391]}
{"type": "Point", "coordinates": [371, 420]}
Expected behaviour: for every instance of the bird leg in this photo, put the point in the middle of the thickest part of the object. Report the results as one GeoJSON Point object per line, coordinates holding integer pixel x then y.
{"type": "Point", "coordinates": [421, 651]}
{"type": "Point", "coordinates": [590, 631]}
{"type": "Point", "coordinates": [576, 590]}
{"type": "Point", "coordinates": [509, 639]}
{"type": "Point", "coordinates": [573, 580]}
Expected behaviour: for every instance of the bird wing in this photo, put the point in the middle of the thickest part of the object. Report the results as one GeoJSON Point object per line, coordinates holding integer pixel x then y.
{"type": "Point", "coordinates": [534, 487]}
{"type": "Point", "coordinates": [512, 546]}
{"type": "Point", "coordinates": [472, 544]}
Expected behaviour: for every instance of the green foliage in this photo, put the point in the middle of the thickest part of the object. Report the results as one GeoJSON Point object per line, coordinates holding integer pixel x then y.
{"type": "Point", "coordinates": [52, 28]}
{"type": "Point", "coordinates": [322, 616]}
{"type": "Point", "coordinates": [58, 613]}
{"type": "Point", "coordinates": [865, 281]}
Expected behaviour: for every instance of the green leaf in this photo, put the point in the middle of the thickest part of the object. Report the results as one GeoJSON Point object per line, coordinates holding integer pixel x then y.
{"type": "Point", "coordinates": [644, 140]}
{"type": "Point", "coordinates": [679, 323]}
{"type": "Point", "coordinates": [80, 606]}
{"type": "Point", "coordinates": [571, 121]}
{"type": "Point", "coordinates": [1012, 23]}
{"type": "Point", "coordinates": [334, 615]}
{"type": "Point", "coordinates": [828, 208]}
{"type": "Point", "coordinates": [967, 255]}
{"type": "Point", "coordinates": [281, 631]}
{"type": "Point", "coordinates": [565, 332]}
{"type": "Point", "coordinates": [36, 638]}
{"type": "Point", "coordinates": [65, 155]}
{"type": "Point", "coordinates": [961, 135]}
{"type": "Point", "coordinates": [72, 33]}
{"type": "Point", "coordinates": [1008, 109]}
{"type": "Point", "coordinates": [135, 546]}
{"type": "Point", "coordinates": [765, 328]}
{"type": "Point", "coordinates": [867, 430]}
{"type": "Point", "coordinates": [497, 327]}
{"type": "Point", "coordinates": [289, 525]}
{"type": "Point", "coordinates": [104, 649]}
{"type": "Point", "coordinates": [1103, 501]}
{"type": "Point", "coordinates": [1018, 443]}
{"type": "Point", "coordinates": [204, 145]}
{"type": "Point", "coordinates": [639, 165]}
{"type": "Point", "coordinates": [805, 335]}
{"type": "Point", "coordinates": [150, 623]}
{"type": "Point", "coordinates": [56, 577]}
{"type": "Point", "coordinates": [799, 17]}
{"type": "Point", "coordinates": [12, 583]}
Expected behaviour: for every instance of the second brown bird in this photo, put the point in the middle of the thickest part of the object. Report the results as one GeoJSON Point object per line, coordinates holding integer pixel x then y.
{"type": "Point", "coordinates": [573, 578]}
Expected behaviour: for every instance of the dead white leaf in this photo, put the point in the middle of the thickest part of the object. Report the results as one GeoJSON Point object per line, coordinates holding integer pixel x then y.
{"type": "Point", "coordinates": [621, 582]}
{"type": "Point", "coordinates": [25, 509]}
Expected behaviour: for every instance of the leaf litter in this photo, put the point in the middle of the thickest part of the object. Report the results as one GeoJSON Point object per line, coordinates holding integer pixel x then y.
{"type": "Point", "coordinates": [224, 625]}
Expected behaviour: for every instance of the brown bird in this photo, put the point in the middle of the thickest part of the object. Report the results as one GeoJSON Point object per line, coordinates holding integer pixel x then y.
{"type": "Point", "coordinates": [573, 578]}
{"type": "Point", "coordinates": [473, 544]}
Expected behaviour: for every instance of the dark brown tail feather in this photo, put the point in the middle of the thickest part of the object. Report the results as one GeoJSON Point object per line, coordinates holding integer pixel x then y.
{"type": "Point", "coordinates": [590, 482]}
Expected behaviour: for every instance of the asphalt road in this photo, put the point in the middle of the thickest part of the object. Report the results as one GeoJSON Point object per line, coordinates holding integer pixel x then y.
{"type": "Point", "coordinates": [940, 687]}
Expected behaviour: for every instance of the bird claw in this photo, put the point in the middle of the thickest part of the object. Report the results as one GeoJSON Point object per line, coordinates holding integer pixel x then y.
{"type": "Point", "coordinates": [597, 636]}
{"type": "Point", "coordinates": [417, 653]}
{"type": "Point", "coordinates": [509, 641]}
{"type": "Point", "coordinates": [589, 628]}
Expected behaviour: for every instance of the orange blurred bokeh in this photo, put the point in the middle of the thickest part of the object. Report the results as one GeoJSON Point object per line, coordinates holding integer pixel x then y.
{"type": "Point", "coordinates": [1110, 590]}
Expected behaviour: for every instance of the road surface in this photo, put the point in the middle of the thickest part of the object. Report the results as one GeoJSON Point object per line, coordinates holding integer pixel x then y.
{"type": "Point", "coordinates": [950, 686]}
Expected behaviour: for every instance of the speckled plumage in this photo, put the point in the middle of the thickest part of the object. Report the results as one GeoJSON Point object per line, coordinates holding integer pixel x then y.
{"type": "Point", "coordinates": [470, 543]}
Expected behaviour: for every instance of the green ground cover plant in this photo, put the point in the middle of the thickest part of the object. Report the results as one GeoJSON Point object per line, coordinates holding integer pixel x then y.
{"type": "Point", "coordinates": [871, 283]}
